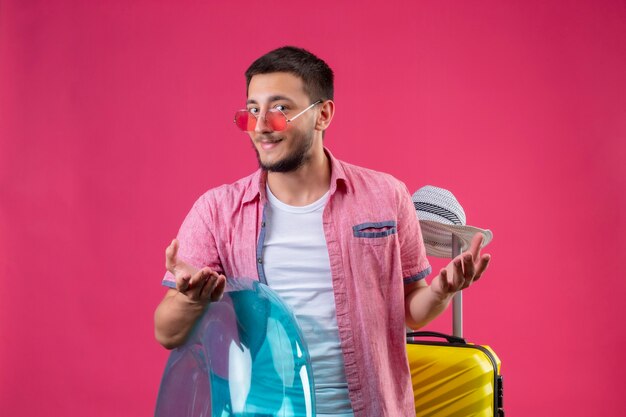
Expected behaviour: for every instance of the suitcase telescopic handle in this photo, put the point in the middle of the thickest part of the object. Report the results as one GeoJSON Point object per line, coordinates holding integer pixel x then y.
{"type": "Point", "coordinates": [448, 337]}
{"type": "Point", "coordinates": [457, 300]}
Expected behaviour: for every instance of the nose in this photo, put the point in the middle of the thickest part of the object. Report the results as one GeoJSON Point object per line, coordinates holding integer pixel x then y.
{"type": "Point", "coordinates": [261, 124]}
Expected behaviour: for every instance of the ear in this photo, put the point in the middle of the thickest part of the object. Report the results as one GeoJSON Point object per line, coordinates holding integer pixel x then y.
{"type": "Point", "coordinates": [327, 111]}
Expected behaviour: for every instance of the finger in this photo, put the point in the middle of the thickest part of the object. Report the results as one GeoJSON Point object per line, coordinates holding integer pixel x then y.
{"type": "Point", "coordinates": [482, 264]}
{"type": "Point", "coordinates": [171, 256]}
{"type": "Point", "coordinates": [468, 269]}
{"type": "Point", "coordinates": [475, 245]}
{"type": "Point", "coordinates": [457, 276]}
{"type": "Point", "coordinates": [212, 285]}
{"type": "Point", "coordinates": [197, 284]}
{"type": "Point", "coordinates": [201, 286]}
{"type": "Point", "coordinates": [208, 288]}
{"type": "Point", "coordinates": [182, 283]}
{"type": "Point", "coordinates": [443, 280]}
{"type": "Point", "coordinates": [209, 274]}
{"type": "Point", "coordinates": [218, 291]}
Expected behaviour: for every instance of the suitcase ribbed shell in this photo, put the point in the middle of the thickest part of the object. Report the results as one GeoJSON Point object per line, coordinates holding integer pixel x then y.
{"type": "Point", "coordinates": [454, 379]}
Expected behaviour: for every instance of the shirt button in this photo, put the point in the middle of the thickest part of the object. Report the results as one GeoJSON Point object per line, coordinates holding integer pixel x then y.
{"type": "Point", "coordinates": [259, 260]}
{"type": "Point", "coordinates": [263, 224]}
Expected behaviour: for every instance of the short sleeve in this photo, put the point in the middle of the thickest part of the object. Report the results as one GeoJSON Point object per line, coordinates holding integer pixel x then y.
{"type": "Point", "coordinates": [415, 265]}
{"type": "Point", "coordinates": [196, 241]}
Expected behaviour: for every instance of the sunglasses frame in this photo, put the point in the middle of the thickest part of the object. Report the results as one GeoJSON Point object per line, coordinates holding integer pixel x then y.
{"type": "Point", "coordinates": [273, 111]}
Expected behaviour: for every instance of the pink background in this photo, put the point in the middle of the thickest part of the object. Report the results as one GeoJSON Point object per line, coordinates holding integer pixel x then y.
{"type": "Point", "coordinates": [115, 116]}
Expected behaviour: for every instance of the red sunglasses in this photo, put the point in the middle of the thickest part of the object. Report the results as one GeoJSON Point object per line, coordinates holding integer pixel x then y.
{"type": "Point", "coordinates": [275, 118]}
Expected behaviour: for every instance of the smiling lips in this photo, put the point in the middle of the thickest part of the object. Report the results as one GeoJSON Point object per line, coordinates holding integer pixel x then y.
{"type": "Point", "coordinates": [269, 144]}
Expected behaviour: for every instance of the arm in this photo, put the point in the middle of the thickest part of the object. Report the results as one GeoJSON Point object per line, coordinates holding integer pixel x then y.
{"type": "Point", "coordinates": [179, 310]}
{"type": "Point", "coordinates": [422, 302]}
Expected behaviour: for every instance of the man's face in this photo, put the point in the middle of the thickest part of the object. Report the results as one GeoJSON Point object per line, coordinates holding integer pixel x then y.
{"type": "Point", "coordinates": [288, 149]}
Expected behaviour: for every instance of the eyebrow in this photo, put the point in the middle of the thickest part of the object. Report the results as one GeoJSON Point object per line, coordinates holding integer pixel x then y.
{"type": "Point", "coordinates": [271, 99]}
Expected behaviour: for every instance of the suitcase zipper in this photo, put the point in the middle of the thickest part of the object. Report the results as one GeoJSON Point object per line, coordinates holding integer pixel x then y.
{"type": "Point", "coordinates": [498, 393]}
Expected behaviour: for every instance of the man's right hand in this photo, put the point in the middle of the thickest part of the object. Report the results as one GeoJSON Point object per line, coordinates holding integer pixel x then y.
{"type": "Point", "coordinates": [199, 286]}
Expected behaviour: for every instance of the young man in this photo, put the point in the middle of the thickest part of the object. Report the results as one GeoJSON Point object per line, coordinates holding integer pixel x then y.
{"type": "Point", "coordinates": [341, 244]}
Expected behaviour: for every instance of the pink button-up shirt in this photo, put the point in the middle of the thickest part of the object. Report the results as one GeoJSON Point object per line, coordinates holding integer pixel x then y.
{"type": "Point", "coordinates": [375, 247]}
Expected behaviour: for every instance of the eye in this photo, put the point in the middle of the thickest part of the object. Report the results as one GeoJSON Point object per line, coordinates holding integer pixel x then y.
{"type": "Point", "coordinates": [280, 107]}
{"type": "Point", "coordinates": [253, 110]}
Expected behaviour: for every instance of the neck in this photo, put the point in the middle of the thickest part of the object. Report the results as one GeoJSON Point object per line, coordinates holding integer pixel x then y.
{"type": "Point", "coordinates": [305, 185]}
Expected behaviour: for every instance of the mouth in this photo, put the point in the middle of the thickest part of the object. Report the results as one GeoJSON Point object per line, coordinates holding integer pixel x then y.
{"type": "Point", "coordinates": [267, 144]}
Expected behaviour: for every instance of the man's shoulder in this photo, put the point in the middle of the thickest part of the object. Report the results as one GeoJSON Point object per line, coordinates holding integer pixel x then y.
{"type": "Point", "coordinates": [360, 176]}
{"type": "Point", "coordinates": [235, 192]}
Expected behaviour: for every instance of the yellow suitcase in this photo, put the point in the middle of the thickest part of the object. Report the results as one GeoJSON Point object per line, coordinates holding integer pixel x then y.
{"type": "Point", "coordinates": [454, 378]}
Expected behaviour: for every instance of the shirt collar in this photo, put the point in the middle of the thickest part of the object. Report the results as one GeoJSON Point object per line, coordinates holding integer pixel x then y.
{"type": "Point", "coordinates": [337, 173]}
{"type": "Point", "coordinates": [257, 187]}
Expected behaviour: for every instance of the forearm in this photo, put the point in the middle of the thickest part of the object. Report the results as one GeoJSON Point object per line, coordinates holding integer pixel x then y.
{"type": "Point", "coordinates": [422, 305]}
{"type": "Point", "coordinates": [174, 319]}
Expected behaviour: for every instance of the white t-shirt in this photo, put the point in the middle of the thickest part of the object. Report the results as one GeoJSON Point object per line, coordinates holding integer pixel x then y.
{"type": "Point", "coordinates": [297, 267]}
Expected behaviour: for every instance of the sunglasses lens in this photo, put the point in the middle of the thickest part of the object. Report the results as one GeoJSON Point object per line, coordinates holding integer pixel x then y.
{"type": "Point", "coordinates": [275, 120]}
{"type": "Point", "coordinates": [245, 121]}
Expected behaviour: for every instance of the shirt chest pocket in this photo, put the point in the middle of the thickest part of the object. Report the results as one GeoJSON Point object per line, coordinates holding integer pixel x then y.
{"type": "Point", "coordinates": [374, 233]}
